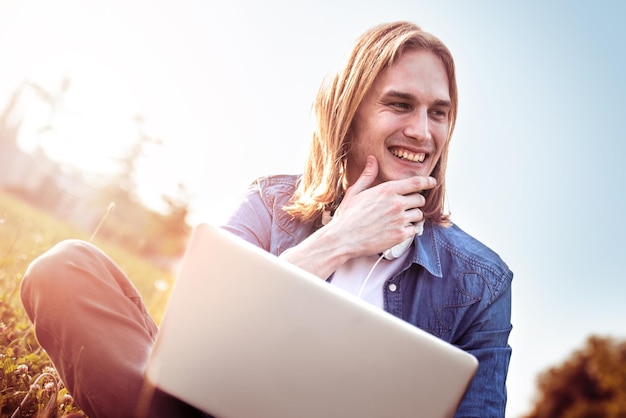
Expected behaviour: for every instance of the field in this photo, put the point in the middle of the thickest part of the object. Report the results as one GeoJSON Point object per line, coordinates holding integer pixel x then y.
{"type": "Point", "coordinates": [29, 385]}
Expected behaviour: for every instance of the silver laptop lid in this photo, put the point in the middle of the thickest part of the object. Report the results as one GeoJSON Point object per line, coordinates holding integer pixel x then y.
{"type": "Point", "coordinates": [246, 334]}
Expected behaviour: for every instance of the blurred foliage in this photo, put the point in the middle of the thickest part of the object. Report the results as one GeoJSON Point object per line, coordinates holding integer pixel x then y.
{"type": "Point", "coordinates": [131, 224]}
{"type": "Point", "coordinates": [157, 236]}
{"type": "Point", "coordinates": [589, 384]}
{"type": "Point", "coordinates": [28, 380]}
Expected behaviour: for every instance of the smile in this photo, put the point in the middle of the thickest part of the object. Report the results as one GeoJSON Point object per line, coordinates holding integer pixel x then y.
{"type": "Point", "coordinates": [409, 156]}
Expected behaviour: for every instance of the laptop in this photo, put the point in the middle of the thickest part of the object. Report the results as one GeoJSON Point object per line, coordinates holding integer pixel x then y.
{"type": "Point", "coordinates": [246, 334]}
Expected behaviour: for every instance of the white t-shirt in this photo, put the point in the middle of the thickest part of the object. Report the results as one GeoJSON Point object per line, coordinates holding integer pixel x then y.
{"type": "Point", "coordinates": [351, 275]}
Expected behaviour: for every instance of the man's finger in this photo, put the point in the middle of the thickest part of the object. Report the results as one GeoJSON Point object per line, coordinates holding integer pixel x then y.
{"type": "Point", "coordinates": [367, 177]}
{"type": "Point", "coordinates": [415, 184]}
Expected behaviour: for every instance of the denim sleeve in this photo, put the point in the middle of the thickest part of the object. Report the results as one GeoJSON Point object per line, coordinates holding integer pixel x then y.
{"type": "Point", "coordinates": [487, 340]}
{"type": "Point", "coordinates": [252, 219]}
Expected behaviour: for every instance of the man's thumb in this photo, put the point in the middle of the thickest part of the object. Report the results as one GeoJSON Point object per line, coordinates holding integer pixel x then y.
{"type": "Point", "coordinates": [368, 175]}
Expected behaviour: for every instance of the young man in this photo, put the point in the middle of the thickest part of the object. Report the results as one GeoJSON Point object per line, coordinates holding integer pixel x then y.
{"type": "Point", "coordinates": [375, 178]}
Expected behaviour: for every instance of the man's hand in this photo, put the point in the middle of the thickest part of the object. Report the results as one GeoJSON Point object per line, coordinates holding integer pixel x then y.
{"type": "Point", "coordinates": [369, 220]}
{"type": "Point", "coordinates": [379, 217]}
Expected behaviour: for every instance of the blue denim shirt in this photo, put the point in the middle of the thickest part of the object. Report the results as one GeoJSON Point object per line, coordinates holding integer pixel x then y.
{"type": "Point", "coordinates": [451, 286]}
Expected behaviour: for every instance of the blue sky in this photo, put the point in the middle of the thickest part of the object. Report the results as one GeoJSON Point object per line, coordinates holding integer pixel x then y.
{"type": "Point", "coordinates": [534, 169]}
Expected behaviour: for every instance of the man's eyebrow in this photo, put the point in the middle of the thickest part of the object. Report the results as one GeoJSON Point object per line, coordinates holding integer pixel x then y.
{"type": "Point", "coordinates": [443, 103]}
{"type": "Point", "coordinates": [399, 95]}
{"type": "Point", "coordinates": [411, 97]}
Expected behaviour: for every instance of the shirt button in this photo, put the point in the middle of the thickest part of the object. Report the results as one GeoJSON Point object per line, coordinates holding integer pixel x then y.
{"type": "Point", "coordinates": [392, 287]}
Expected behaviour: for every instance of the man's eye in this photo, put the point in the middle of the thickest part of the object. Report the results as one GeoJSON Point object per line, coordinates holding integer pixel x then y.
{"type": "Point", "coordinates": [400, 105]}
{"type": "Point", "coordinates": [439, 113]}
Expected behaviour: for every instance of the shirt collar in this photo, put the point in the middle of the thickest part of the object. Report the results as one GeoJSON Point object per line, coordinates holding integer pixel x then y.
{"type": "Point", "coordinates": [426, 251]}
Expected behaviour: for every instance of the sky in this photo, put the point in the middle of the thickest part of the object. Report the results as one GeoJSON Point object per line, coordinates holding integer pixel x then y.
{"type": "Point", "coordinates": [227, 87]}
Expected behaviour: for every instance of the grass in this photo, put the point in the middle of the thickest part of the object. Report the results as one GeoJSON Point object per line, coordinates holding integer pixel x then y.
{"type": "Point", "coordinates": [29, 384]}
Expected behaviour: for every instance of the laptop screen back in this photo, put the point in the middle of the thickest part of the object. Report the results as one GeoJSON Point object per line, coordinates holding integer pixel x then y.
{"type": "Point", "coordinates": [246, 334]}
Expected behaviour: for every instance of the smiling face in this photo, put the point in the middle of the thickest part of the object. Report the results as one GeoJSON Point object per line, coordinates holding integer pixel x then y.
{"type": "Point", "coordinates": [403, 119]}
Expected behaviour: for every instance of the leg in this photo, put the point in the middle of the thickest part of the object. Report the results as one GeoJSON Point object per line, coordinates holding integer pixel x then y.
{"type": "Point", "coordinates": [92, 323]}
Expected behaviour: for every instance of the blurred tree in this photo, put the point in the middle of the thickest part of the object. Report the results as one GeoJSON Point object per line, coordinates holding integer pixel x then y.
{"type": "Point", "coordinates": [55, 100]}
{"type": "Point", "coordinates": [129, 222]}
{"type": "Point", "coordinates": [141, 230]}
{"type": "Point", "coordinates": [125, 219]}
{"type": "Point", "coordinates": [128, 162]}
{"type": "Point", "coordinates": [9, 129]}
{"type": "Point", "coordinates": [172, 225]}
{"type": "Point", "coordinates": [10, 122]}
{"type": "Point", "coordinates": [590, 384]}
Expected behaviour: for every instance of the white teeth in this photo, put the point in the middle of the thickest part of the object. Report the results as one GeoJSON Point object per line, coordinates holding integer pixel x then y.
{"type": "Point", "coordinates": [418, 158]}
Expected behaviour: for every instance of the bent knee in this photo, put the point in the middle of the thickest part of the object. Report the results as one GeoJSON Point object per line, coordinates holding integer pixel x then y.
{"type": "Point", "coordinates": [51, 269]}
{"type": "Point", "coordinates": [53, 260]}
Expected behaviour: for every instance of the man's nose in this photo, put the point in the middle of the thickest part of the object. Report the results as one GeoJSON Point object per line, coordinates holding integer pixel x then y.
{"type": "Point", "coordinates": [417, 125]}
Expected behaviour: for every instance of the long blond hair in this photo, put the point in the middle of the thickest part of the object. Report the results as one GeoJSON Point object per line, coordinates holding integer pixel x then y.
{"type": "Point", "coordinates": [323, 181]}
